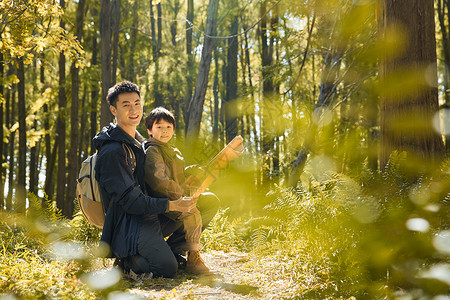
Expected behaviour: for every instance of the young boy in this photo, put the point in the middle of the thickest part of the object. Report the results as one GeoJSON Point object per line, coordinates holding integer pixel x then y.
{"type": "Point", "coordinates": [164, 175]}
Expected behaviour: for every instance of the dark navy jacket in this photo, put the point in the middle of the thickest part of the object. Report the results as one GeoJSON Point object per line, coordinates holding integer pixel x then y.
{"type": "Point", "coordinates": [122, 190]}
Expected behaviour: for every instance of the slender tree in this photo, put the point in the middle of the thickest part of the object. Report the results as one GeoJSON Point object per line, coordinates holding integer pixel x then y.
{"type": "Point", "coordinates": [230, 106]}
{"type": "Point", "coordinates": [190, 59]}
{"type": "Point", "coordinates": [115, 20]}
{"type": "Point", "coordinates": [20, 199]}
{"type": "Point", "coordinates": [61, 127]}
{"type": "Point", "coordinates": [196, 106]}
{"type": "Point", "coordinates": [73, 155]}
{"type": "Point", "coordinates": [2, 144]}
{"type": "Point", "coordinates": [105, 31]}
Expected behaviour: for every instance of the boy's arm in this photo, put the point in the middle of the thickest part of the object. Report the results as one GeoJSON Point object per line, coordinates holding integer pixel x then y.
{"type": "Point", "coordinates": [156, 177]}
{"type": "Point", "coordinates": [116, 178]}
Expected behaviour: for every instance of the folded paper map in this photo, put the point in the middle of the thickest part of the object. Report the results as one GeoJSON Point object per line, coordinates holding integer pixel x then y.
{"type": "Point", "coordinates": [212, 170]}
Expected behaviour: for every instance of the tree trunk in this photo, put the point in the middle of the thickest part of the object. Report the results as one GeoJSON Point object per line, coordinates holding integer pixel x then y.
{"type": "Point", "coordinates": [230, 106]}
{"type": "Point", "coordinates": [131, 63]}
{"type": "Point", "coordinates": [115, 20]}
{"type": "Point", "coordinates": [21, 174]}
{"type": "Point", "coordinates": [2, 143]}
{"type": "Point", "coordinates": [190, 60]}
{"type": "Point", "coordinates": [105, 31]}
{"type": "Point", "coordinates": [173, 24]}
{"type": "Point", "coordinates": [159, 22]}
{"type": "Point", "coordinates": [61, 130]}
{"type": "Point", "coordinates": [94, 94]}
{"type": "Point", "coordinates": [196, 106]}
{"type": "Point", "coordinates": [73, 167]}
{"type": "Point", "coordinates": [153, 29]}
{"type": "Point", "coordinates": [406, 115]}
{"type": "Point", "coordinates": [216, 97]}
{"type": "Point", "coordinates": [10, 97]}
{"type": "Point", "coordinates": [268, 91]}
{"type": "Point", "coordinates": [444, 19]}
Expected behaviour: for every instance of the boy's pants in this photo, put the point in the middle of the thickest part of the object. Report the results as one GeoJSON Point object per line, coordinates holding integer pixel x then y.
{"type": "Point", "coordinates": [155, 254]}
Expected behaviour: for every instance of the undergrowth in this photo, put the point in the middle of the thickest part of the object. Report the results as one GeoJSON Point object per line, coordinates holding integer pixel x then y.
{"type": "Point", "coordinates": [383, 235]}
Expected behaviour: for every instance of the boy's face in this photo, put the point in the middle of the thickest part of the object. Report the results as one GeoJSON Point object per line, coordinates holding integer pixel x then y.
{"type": "Point", "coordinates": [161, 131]}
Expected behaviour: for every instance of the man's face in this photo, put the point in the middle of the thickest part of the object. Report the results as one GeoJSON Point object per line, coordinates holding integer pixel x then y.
{"type": "Point", "coordinates": [128, 110]}
{"type": "Point", "coordinates": [161, 131]}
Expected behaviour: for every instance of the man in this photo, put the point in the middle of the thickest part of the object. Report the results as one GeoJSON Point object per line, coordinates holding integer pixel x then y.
{"type": "Point", "coordinates": [133, 230]}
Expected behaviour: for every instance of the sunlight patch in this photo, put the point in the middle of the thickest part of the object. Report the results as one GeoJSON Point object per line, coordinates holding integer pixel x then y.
{"type": "Point", "coordinates": [441, 121]}
{"type": "Point", "coordinates": [367, 211]}
{"type": "Point", "coordinates": [439, 272]}
{"type": "Point", "coordinates": [442, 242]}
{"type": "Point", "coordinates": [67, 251]}
{"type": "Point", "coordinates": [418, 224]}
{"type": "Point", "coordinates": [103, 279]}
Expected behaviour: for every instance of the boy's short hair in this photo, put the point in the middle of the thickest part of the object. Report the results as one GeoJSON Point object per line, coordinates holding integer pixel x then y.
{"type": "Point", "coordinates": [121, 88]}
{"type": "Point", "coordinates": [158, 114]}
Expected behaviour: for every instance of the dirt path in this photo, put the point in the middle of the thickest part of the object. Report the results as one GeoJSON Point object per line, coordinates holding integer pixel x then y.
{"type": "Point", "coordinates": [237, 276]}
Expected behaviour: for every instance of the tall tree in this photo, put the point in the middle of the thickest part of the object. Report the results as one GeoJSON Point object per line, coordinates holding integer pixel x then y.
{"type": "Point", "coordinates": [61, 126]}
{"type": "Point", "coordinates": [21, 176]}
{"type": "Point", "coordinates": [105, 32]}
{"type": "Point", "coordinates": [230, 106]}
{"type": "Point", "coordinates": [2, 169]}
{"type": "Point", "coordinates": [415, 59]}
{"type": "Point", "coordinates": [73, 155]}
{"type": "Point", "coordinates": [190, 58]}
{"type": "Point", "coordinates": [115, 20]}
{"type": "Point", "coordinates": [196, 105]}
{"type": "Point", "coordinates": [443, 11]}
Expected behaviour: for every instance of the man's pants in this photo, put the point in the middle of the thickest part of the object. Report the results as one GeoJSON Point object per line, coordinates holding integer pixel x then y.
{"type": "Point", "coordinates": [155, 254]}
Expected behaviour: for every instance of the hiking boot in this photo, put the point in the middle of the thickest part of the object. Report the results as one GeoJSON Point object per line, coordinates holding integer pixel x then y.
{"type": "Point", "coordinates": [181, 261]}
{"type": "Point", "coordinates": [138, 277]}
{"type": "Point", "coordinates": [196, 265]}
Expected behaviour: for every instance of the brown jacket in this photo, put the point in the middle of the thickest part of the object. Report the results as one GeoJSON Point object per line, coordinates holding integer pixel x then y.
{"type": "Point", "coordinates": [164, 170]}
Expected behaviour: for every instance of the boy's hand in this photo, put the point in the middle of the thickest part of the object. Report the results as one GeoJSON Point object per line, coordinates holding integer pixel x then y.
{"type": "Point", "coordinates": [184, 204]}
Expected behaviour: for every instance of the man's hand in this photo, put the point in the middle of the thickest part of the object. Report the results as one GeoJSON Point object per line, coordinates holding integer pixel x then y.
{"type": "Point", "coordinates": [184, 204]}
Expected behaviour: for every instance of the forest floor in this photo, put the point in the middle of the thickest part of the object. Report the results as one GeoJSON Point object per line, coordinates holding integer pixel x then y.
{"type": "Point", "coordinates": [236, 275]}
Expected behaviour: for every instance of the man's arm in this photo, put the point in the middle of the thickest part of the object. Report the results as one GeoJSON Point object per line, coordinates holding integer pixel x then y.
{"type": "Point", "coordinates": [116, 178]}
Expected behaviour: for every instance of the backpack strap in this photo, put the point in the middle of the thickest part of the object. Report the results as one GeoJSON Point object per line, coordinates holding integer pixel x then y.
{"type": "Point", "coordinates": [91, 171]}
{"type": "Point", "coordinates": [130, 151]}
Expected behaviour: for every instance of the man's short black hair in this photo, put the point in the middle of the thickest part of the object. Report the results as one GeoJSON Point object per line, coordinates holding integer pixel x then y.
{"type": "Point", "coordinates": [158, 114]}
{"type": "Point", "coordinates": [121, 88]}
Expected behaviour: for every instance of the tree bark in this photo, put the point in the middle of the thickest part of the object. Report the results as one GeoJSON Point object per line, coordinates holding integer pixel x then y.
{"type": "Point", "coordinates": [131, 63]}
{"type": "Point", "coordinates": [406, 115]}
{"type": "Point", "coordinates": [11, 113]}
{"type": "Point", "coordinates": [196, 106]}
{"type": "Point", "coordinates": [173, 24]}
{"type": "Point", "coordinates": [61, 129]}
{"type": "Point", "coordinates": [230, 106]}
{"type": "Point", "coordinates": [216, 97]}
{"type": "Point", "coordinates": [94, 94]}
{"type": "Point", "coordinates": [190, 60]}
{"type": "Point", "coordinates": [21, 174]}
{"type": "Point", "coordinates": [2, 143]}
{"type": "Point", "coordinates": [73, 155]}
{"type": "Point", "coordinates": [105, 31]}
{"type": "Point", "coordinates": [268, 91]}
{"type": "Point", "coordinates": [115, 20]}
{"type": "Point", "coordinates": [153, 29]}
{"type": "Point", "coordinates": [444, 19]}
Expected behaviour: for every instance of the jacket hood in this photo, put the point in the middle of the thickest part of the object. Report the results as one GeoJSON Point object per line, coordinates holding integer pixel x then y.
{"type": "Point", "coordinates": [113, 133]}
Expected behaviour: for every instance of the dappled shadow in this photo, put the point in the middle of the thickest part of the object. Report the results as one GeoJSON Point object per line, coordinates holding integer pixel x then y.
{"type": "Point", "coordinates": [215, 281]}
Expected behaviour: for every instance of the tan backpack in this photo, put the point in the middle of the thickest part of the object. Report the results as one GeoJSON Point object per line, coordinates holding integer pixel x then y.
{"type": "Point", "coordinates": [88, 189]}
